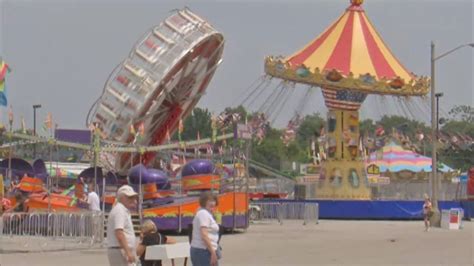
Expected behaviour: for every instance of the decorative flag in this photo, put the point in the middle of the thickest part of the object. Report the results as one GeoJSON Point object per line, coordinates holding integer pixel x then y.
{"type": "Point", "coordinates": [23, 125]}
{"type": "Point", "coordinates": [181, 126]}
{"type": "Point", "coordinates": [48, 123]}
{"type": "Point", "coordinates": [132, 130]}
{"type": "Point", "coordinates": [168, 136]}
{"type": "Point", "coordinates": [92, 127]}
{"type": "Point", "coordinates": [141, 129]}
{"type": "Point", "coordinates": [4, 69]}
{"type": "Point", "coordinates": [214, 129]}
{"type": "Point", "coordinates": [10, 117]}
{"type": "Point", "coordinates": [140, 133]}
{"type": "Point", "coordinates": [180, 129]}
{"type": "Point", "coordinates": [221, 150]}
{"type": "Point", "coordinates": [379, 131]}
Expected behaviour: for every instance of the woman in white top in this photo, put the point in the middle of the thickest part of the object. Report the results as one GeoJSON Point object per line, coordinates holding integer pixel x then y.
{"type": "Point", "coordinates": [427, 212]}
{"type": "Point", "coordinates": [204, 246]}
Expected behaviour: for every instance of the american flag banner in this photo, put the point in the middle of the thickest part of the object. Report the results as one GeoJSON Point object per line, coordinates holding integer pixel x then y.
{"type": "Point", "coordinates": [343, 99]}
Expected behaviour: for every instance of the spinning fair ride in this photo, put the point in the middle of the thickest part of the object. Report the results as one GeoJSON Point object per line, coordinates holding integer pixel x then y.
{"type": "Point", "coordinates": [159, 83]}
{"type": "Point", "coordinates": [348, 61]}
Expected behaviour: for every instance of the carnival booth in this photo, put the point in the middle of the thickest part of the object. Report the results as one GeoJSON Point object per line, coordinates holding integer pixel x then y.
{"type": "Point", "coordinates": [404, 174]}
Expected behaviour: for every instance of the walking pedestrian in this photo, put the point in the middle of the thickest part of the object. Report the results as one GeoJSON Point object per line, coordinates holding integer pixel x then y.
{"type": "Point", "coordinates": [205, 236]}
{"type": "Point", "coordinates": [120, 234]}
{"type": "Point", "coordinates": [427, 212]}
{"type": "Point", "coordinates": [93, 199]}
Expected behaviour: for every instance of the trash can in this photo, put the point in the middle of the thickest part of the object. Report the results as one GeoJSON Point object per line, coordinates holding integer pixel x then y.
{"type": "Point", "coordinates": [451, 219]}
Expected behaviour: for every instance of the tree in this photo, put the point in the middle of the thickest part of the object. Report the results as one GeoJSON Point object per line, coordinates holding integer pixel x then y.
{"type": "Point", "coordinates": [459, 127]}
{"type": "Point", "coordinates": [198, 121]}
{"type": "Point", "coordinates": [403, 125]}
{"type": "Point", "coordinates": [366, 126]}
{"type": "Point", "coordinates": [271, 151]}
{"type": "Point", "coordinates": [239, 110]}
{"type": "Point", "coordinates": [463, 113]}
{"type": "Point", "coordinates": [309, 129]}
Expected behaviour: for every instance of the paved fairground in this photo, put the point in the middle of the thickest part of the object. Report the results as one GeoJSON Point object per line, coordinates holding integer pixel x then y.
{"type": "Point", "coordinates": [328, 243]}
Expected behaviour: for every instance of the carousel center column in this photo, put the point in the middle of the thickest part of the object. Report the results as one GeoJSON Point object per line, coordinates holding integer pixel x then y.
{"type": "Point", "coordinates": [343, 173]}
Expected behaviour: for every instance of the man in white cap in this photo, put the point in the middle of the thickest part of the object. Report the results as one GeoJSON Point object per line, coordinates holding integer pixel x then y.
{"type": "Point", "coordinates": [120, 234]}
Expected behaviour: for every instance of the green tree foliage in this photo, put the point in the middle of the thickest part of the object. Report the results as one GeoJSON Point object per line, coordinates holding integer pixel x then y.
{"type": "Point", "coordinates": [459, 127]}
{"type": "Point", "coordinates": [271, 150]}
{"type": "Point", "coordinates": [367, 126]}
{"type": "Point", "coordinates": [198, 121]}
{"type": "Point", "coordinates": [239, 110]}
{"type": "Point", "coordinates": [402, 124]}
{"type": "Point", "coordinates": [461, 123]}
{"type": "Point", "coordinates": [463, 113]}
{"type": "Point", "coordinates": [309, 129]}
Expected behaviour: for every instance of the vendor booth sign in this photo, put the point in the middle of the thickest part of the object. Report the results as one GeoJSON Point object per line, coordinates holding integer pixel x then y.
{"type": "Point", "coordinates": [375, 180]}
{"type": "Point", "coordinates": [308, 179]}
{"type": "Point", "coordinates": [309, 169]}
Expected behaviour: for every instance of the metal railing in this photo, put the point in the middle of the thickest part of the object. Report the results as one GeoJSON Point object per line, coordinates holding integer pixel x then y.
{"type": "Point", "coordinates": [306, 211]}
{"type": "Point", "coordinates": [55, 228]}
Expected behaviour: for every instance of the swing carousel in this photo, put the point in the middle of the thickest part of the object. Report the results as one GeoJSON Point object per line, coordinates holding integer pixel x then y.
{"type": "Point", "coordinates": [348, 61]}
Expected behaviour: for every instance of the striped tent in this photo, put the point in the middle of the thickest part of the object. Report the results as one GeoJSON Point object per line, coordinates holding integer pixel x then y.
{"type": "Point", "coordinates": [348, 60]}
{"type": "Point", "coordinates": [393, 158]}
{"type": "Point", "coordinates": [351, 44]}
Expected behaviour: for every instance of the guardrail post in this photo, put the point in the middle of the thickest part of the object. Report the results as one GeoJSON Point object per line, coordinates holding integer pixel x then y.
{"type": "Point", "coordinates": [316, 210]}
{"type": "Point", "coordinates": [280, 213]}
{"type": "Point", "coordinates": [179, 219]}
{"type": "Point", "coordinates": [305, 213]}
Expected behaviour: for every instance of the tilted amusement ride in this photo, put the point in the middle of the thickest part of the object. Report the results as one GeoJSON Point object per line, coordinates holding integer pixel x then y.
{"type": "Point", "coordinates": [159, 83]}
{"type": "Point", "coordinates": [151, 91]}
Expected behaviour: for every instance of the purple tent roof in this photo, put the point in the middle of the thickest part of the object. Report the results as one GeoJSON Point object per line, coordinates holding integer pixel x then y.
{"type": "Point", "coordinates": [82, 136]}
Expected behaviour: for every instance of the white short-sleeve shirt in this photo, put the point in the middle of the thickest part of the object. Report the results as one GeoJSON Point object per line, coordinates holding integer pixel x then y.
{"type": "Point", "coordinates": [203, 218]}
{"type": "Point", "coordinates": [120, 218]}
{"type": "Point", "coordinates": [93, 201]}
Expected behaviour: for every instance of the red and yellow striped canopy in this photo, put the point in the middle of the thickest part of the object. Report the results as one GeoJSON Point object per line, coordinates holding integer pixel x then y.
{"type": "Point", "coordinates": [351, 44]}
{"type": "Point", "coordinates": [351, 56]}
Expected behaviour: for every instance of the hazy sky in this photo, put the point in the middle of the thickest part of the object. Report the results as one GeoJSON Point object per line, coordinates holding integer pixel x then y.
{"type": "Point", "coordinates": [61, 52]}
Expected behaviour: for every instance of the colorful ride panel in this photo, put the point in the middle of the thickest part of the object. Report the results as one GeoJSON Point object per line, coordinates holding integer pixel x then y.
{"type": "Point", "coordinates": [232, 212]}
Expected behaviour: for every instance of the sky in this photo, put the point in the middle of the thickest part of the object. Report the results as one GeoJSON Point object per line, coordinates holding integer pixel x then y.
{"type": "Point", "coordinates": [61, 52]}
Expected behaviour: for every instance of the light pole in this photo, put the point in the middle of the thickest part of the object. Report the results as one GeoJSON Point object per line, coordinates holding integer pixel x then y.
{"type": "Point", "coordinates": [436, 218]}
{"type": "Point", "coordinates": [438, 95]}
{"type": "Point", "coordinates": [35, 106]}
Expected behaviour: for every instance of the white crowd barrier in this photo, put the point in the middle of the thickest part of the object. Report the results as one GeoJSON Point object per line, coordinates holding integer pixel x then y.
{"type": "Point", "coordinates": [81, 227]}
{"type": "Point", "coordinates": [280, 211]}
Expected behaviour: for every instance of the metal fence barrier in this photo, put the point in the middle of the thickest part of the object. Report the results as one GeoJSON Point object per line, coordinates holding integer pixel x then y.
{"type": "Point", "coordinates": [81, 228]}
{"type": "Point", "coordinates": [306, 211]}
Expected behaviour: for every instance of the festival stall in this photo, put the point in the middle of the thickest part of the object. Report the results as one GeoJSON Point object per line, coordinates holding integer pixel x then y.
{"type": "Point", "coordinates": [397, 173]}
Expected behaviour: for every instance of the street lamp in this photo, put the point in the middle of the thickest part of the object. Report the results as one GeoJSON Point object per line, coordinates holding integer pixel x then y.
{"type": "Point", "coordinates": [35, 106]}
{"type": "Point", "coordinates": [436, 218]}
{"type": "Point", "coordinates": [438, 95]}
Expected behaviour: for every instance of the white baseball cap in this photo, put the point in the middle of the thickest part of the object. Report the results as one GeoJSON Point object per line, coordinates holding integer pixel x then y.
{"type": "Point", "coordinates": [127, 191]}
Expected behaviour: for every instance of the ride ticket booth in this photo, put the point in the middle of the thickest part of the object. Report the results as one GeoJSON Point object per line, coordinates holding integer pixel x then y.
{"type": "Point", "coordinates": [452, 219]}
